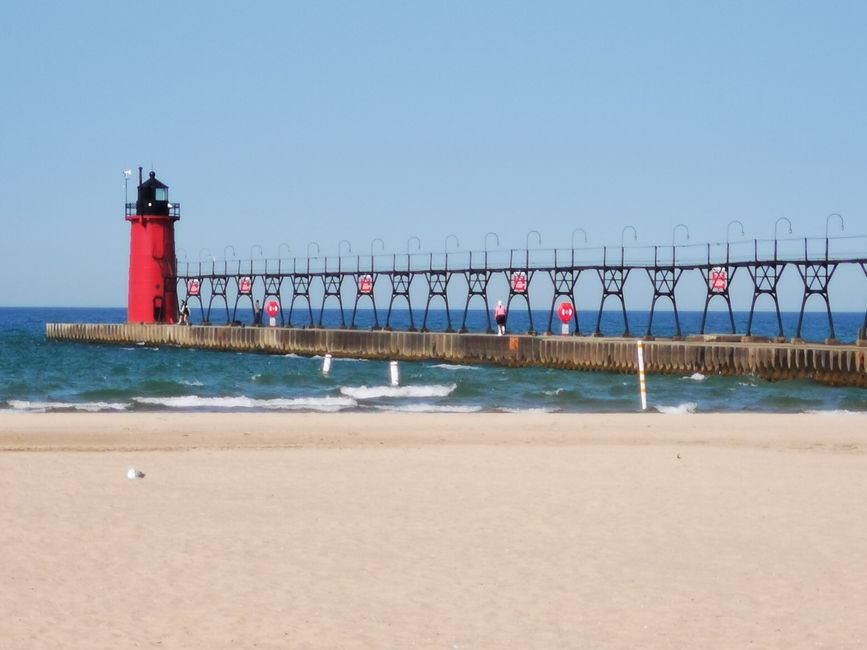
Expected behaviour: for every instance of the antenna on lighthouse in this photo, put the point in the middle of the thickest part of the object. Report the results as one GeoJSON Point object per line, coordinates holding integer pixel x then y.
{"type": "Point", "coordinates": [126, 174]}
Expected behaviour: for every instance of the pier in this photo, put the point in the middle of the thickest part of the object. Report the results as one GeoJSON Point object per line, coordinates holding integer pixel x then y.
{"type": "Point", "coordinates": [843, 365]}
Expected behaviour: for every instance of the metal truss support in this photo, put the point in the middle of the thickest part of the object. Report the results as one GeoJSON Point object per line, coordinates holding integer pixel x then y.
{"type": "Point", "coordinates": [359, 294]}
{"type": "Point", "coordinates": [816, 277]}
{"type": "Point", "coordinates": [718, 290]}
{"type": "Point", "coordinates": [516, 291]}
{"type": "Point", "coordinates": [613, 279]}
{"type": "Point", "coordinates": [437, 284]}
{"type": "Point", "coordinates": [664, 281]}
{"type": "Point", "coordinates": [564, 281]}
{"type": "Point", "coordinates": [198, 296]}
{"type": "Point", "coordinates": [766, 279]}
{"type": "Point", "coordinates": [247, 294]}
{"type": "Point", "coordinates": [273, 284]}
{"type": "Point", "coordinates": [218, 292]}
{"type": "Point", "coordinates": [400, 283]}
{"type": "Point", "coordinates": [331, 284]}
{"type": "Point", "coordinates": [477, 286]}
{"type": "Point", "coordinates": [300, 291]}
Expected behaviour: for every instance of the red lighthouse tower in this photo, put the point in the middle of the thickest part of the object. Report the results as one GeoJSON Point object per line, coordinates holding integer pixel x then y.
{"type": "Point", "coordinates": [152, 266]}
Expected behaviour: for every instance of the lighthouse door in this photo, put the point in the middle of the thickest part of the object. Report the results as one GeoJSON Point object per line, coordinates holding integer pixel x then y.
{"type": "Point", "coordinates": [158, 309]}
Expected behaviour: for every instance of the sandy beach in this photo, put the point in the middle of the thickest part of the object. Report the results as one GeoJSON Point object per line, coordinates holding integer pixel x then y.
{"type": "Point", "coordinates": [433, 531]}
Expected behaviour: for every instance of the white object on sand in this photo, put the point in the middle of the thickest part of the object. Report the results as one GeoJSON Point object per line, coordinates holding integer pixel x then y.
{"type": "Point", "coordinates": [133, 474]}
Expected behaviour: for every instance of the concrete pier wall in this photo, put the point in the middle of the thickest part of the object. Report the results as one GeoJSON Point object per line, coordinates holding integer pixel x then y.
{"type": "Point", "coordinates": [832, 364]}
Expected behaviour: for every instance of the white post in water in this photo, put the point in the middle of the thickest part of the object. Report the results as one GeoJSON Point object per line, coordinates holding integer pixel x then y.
{"type": "Point", "coordinates": [326, 364]}
{"type": "Point", "coordinates": [642, 386]}
{"type": "Point", "coordinates": [394, 372]}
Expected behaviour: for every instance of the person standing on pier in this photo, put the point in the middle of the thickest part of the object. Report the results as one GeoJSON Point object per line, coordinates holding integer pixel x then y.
{"type": "Point", "coordinates": [257, 314]}
{"type": "Point", "coordinates": [500, 318]}
{"type": "Point", "coordinates": [185, 313]}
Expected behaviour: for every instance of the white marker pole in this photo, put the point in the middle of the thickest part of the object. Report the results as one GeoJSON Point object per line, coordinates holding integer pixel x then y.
{"type": "Point", "coordinates": [642, 386]}
{"type": "Point", "coordinates": [326, 364]}
{"type": "Point", "coordinates": [394, 372]}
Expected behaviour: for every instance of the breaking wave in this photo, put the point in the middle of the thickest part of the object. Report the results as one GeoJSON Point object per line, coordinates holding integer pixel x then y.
{"type": "Point", "coordinates": [680, 409]}
{"type": "Point", "coordinates": [427, 408]}
{"type": "Point", "coordinates": [375, 392]}
{"type": "Point", "coordinates": [45, 407]}
{"type": "Point", "coordinates": [326, 404]}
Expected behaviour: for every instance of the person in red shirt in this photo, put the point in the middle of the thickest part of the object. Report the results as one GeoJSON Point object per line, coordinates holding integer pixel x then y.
{"type": "Point", "coordinates": [500, 318]}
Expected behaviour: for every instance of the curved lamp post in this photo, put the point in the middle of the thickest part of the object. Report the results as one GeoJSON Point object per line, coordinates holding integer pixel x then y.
{"type": "Point", "coordinates": [674, 232]}
{"type": "Point", "coordinates": [417, 243]}
{"type": "Point", "coordinates": [208, 251]}
{"type": "Point", "coordinates": [527, 239]}
{"type": "Point", "coordinates": [348, 247]}
{"type": "Point", "coordinates": [622, 238]}
{"type": "Point", "coordinates": [381, 244]}
{"type": "Point", "coordinates": [496, 236]}
{"type": "Point", "coordinates": [280, 247]}
{"type": "Point", "coordinates": [583, 232]}
{"type": "Point", "coordinates": [226, 257]}
{"type": "Point", "coordinates": [828, 222]}
{"type": "Point", "coordinates": [313, 243]}
{"type": "Point", "coordinates": [729, 228]}
{"type": "Point", "coordinates": [450, 237]}
{"type": "Point", "coordinates": [777, 223]}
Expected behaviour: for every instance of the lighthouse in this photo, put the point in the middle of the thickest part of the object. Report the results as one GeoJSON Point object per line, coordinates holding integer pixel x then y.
{"type": "Point", "coordinates": [152, 266]}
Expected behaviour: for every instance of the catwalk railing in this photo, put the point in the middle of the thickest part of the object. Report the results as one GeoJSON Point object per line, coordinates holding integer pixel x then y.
{"type": "Point", "coordinates": [218, 288]}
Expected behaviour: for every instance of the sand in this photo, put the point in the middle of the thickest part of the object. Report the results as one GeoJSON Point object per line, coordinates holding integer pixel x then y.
{"type": "Point", "coordinates": [433, 531]}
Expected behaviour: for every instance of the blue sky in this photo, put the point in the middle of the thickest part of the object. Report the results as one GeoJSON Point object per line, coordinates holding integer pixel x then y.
{"type": "Point", "coordinates": [296, 122]}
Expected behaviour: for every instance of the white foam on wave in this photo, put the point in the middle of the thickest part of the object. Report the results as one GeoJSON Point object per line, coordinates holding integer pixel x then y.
{"type": "Point", "coordinates": [556, 391]}
{"type": "Point", "coordinates": [832, 412]}
{"type": "Point", "coordinates": [680, 409]}
{"type": "Point", "coordinates": [421, 390]}
{"type": "Point", "coordinates": [42, 407]}
{"type": "Point", "coordinates": [428, 408]}
{"type": "Point", "coordinates": [193, 382]}
{"type": "Point", "coordinates": [539, 409]}
{"type": "Point", "coordinates": [696, 376]}
{"type": "Point", "coordinates": [296, 404]}
{"type": "Point", "coordinates": [454, 366]}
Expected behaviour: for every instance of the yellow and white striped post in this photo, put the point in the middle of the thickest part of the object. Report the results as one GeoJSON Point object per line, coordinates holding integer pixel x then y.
{"type": "Point", "coordinates": [642, 386]}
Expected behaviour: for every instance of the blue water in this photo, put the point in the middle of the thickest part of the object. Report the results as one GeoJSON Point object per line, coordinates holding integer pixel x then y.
{"type": "Point", "coordinates": [38, 375]}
